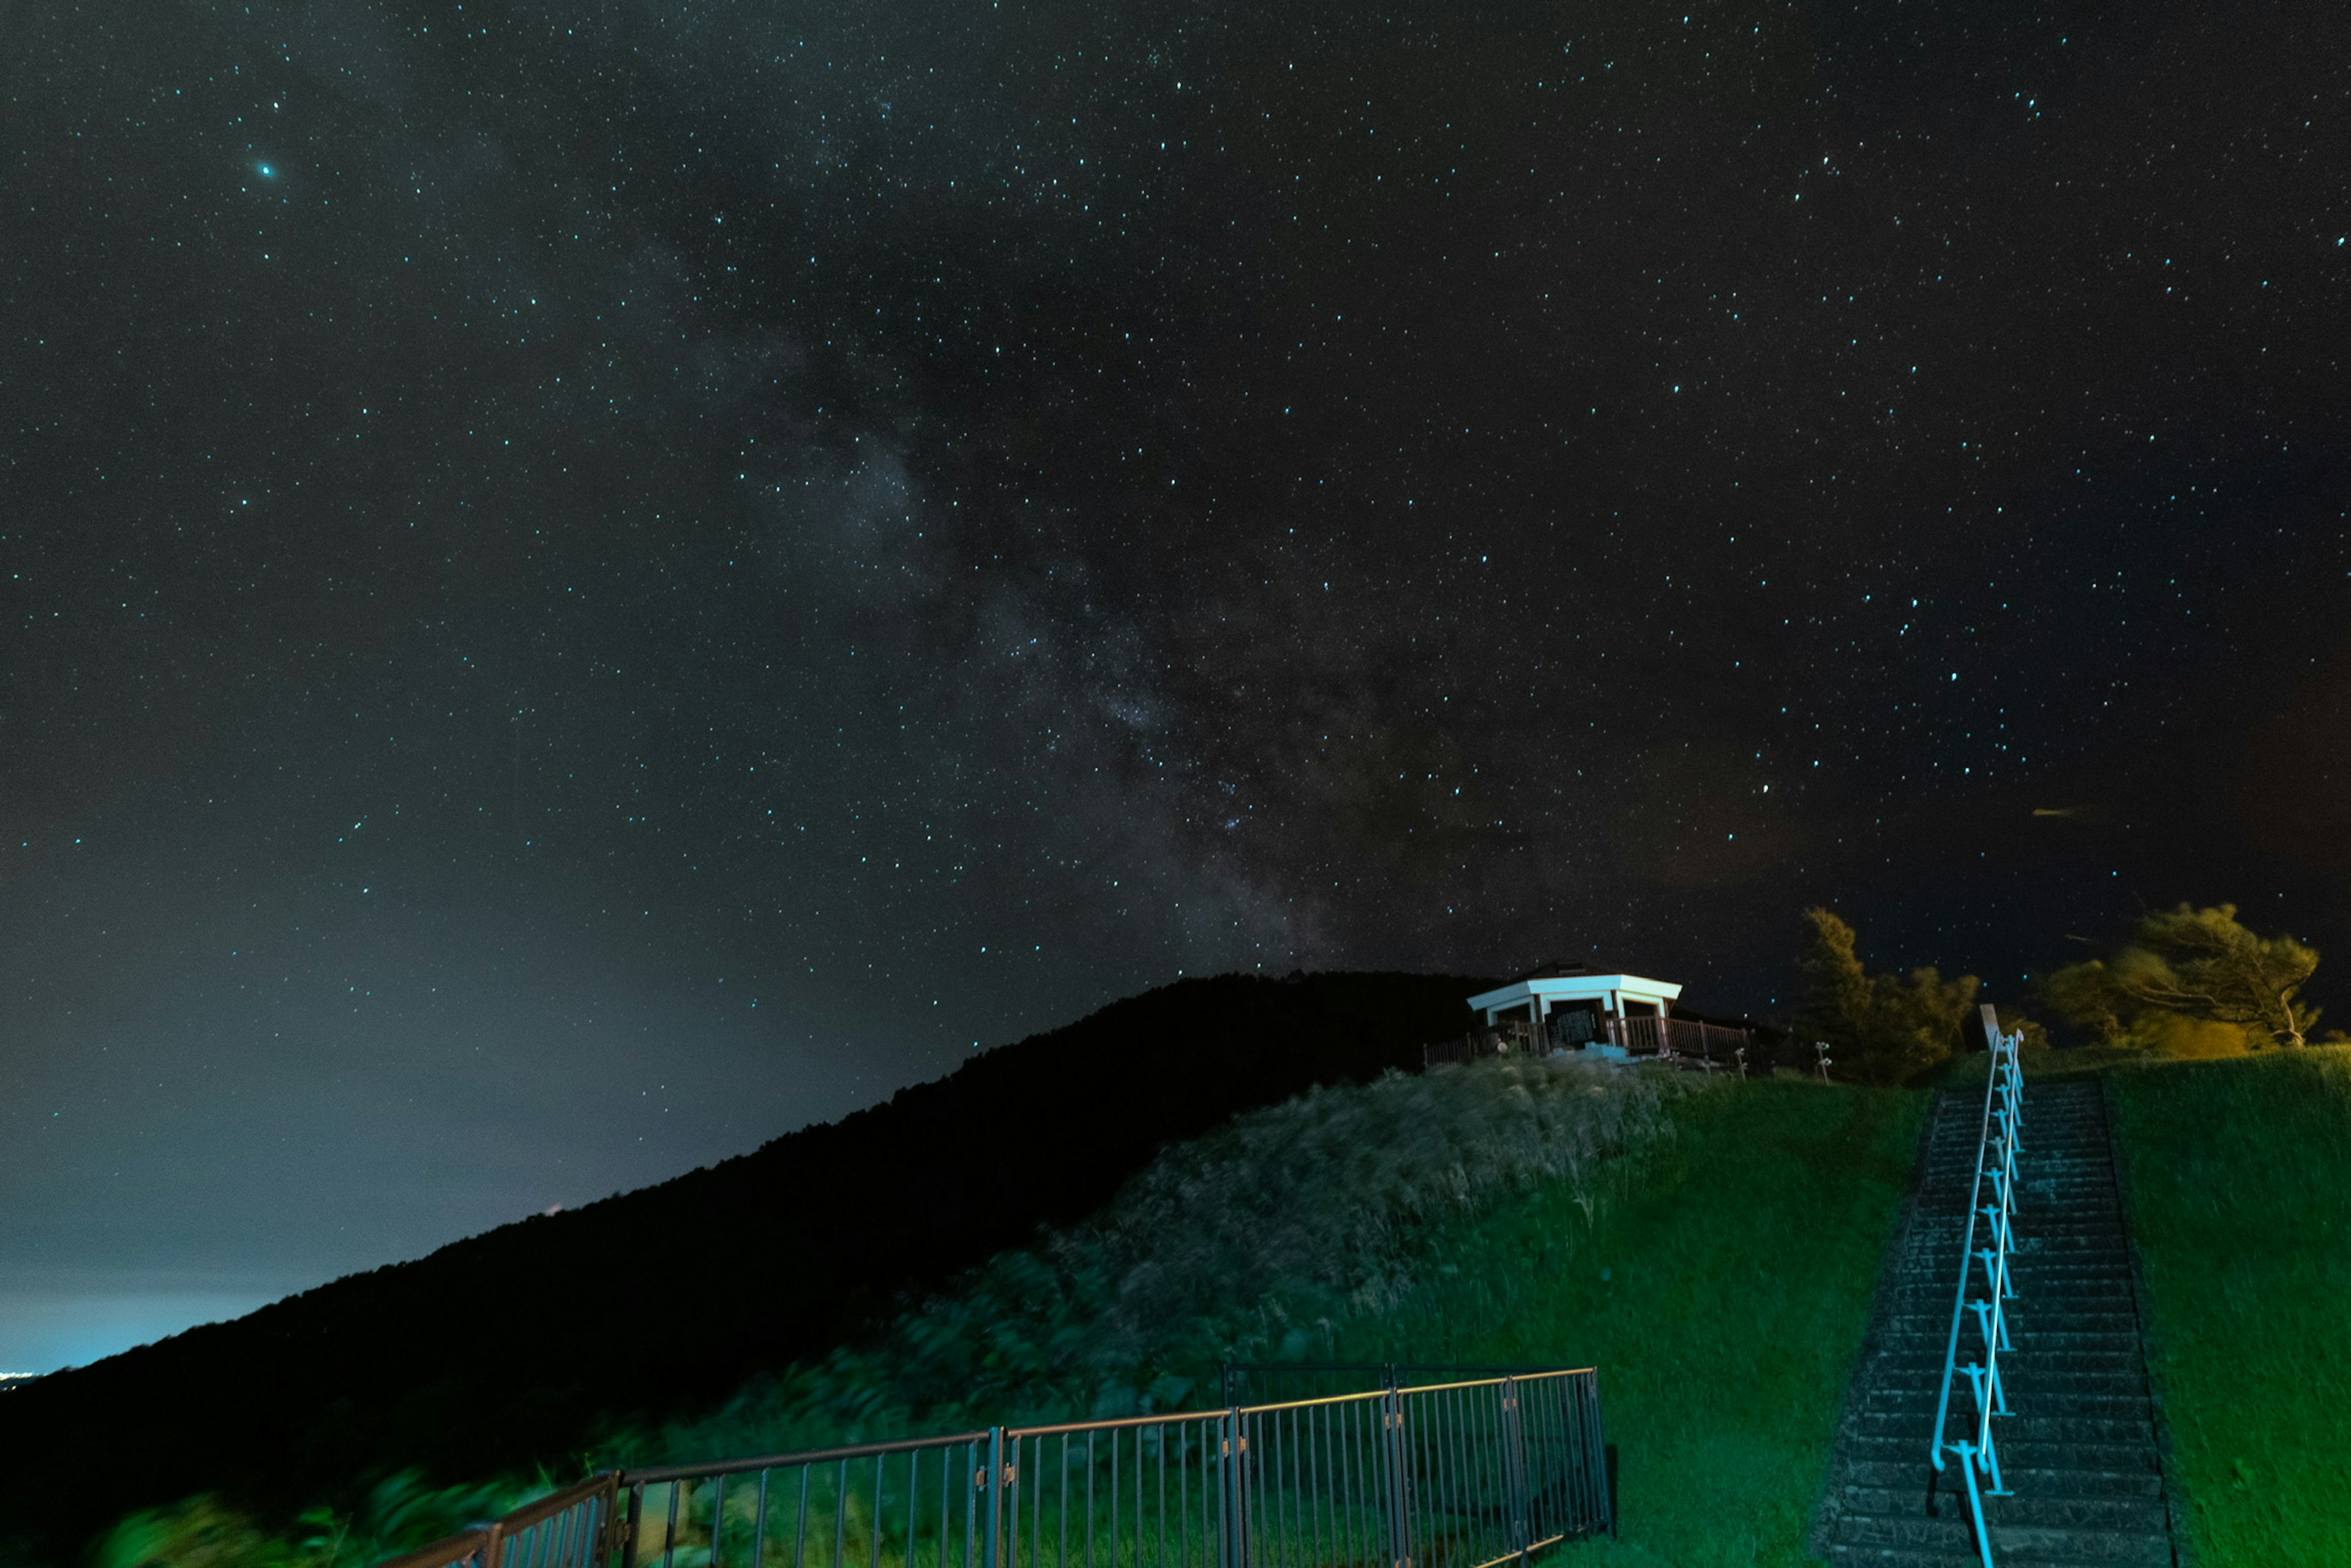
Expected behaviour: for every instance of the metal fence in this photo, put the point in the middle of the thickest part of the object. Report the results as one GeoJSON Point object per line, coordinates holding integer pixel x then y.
{"type": "Point", "coordinates": [1464, 1472]}
{"type": "Point", "coordinates": [921, 1503]}
{"type": "Point", "coordinates": [1286, 1381]}
{"type": "Point", "coordinates": [1996, 1147]}
{"type": "Point", "coordinates": [574, 1528]}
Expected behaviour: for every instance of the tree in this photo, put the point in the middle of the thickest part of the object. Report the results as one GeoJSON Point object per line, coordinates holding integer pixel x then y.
{"type": "Point", "coordinates": [1884, 1028]}
{"type": "Point", "coordinates": [2085, 996]}
{"type": "Point", "coordinates": [2197, 964]}
{"type": "Point", "coordinates": [2012, 1021]}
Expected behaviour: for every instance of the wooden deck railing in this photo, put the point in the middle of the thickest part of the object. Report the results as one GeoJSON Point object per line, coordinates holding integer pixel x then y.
{"type": "Point", "coordinates": [1684, 1039]}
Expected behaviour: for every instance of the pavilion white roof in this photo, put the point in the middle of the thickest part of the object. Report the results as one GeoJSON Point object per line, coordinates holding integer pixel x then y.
{"type": "Point", "coordinates": [1549, 989]}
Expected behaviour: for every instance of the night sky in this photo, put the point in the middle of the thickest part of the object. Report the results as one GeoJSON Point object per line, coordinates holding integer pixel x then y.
{"type": "Point", "coordinates": [587, 585]}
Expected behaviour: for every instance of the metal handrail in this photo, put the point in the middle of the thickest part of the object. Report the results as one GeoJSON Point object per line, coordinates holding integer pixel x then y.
{"type": "Point", "coordinates": [1997, 1145]}
{"type": "Point", "coordinates": [1235, 1378]}
{"type": "Point", "coordinates": [1477, 1470]}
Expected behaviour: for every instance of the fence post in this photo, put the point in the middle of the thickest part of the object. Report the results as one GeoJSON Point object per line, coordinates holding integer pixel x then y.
{"type": "Point", "coordinates": [605, 1516]}
{"type": "Point", "coordinates": [1399, 1478]}
{"type": "Point", "coordinates": [1514, 1467]}
{"type": "Point", "coordinates": [1232, 1522]}
{"type": "Point", "coordinates": [629, 1531]}
{"type": "Point", "coordinates": [1597, 1446]}
{"type": "Point", "coordinates": [989, 1542]}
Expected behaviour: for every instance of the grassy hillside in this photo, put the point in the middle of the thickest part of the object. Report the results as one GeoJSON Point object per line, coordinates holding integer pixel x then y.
{"type": "Point", "coordinates": [1268, 1238]}
{"type": "Point", "coordinates": [1712, 1245]}
{"type": "Point", "coordinates": [1722, 1287]}
{"type": "Point", "coordinates": [2240, 1199]}
{"type": "Point", "coordinates": [662, 1300]}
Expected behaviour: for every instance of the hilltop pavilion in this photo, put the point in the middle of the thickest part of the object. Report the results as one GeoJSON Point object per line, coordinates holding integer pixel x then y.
{"type": "Point", "coordinates": [1565, 1003]}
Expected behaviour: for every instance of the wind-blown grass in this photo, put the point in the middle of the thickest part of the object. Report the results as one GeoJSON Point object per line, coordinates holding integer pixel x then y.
{"type": "Point", "coordinates": [1265, 1239]}
{"type": "Point", "coordinates": [2240, 1199]}
{"type": "Point", "coordinates": [398, 1514]}
{"type": "Point", "coordinates": [1269, 1237]}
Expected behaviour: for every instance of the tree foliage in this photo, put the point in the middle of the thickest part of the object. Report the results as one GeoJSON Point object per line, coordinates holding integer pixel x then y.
{"type": "Point", "coordinates": [2195, 964]}
{"type": "Point", "coordinates": [2013, 1021]}
{"type": "Point", "coordinates": [1882, 1029]}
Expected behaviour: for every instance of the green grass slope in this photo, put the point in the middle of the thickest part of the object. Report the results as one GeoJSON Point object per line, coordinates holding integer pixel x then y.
{"type": "Point", "coordinates": [1712, 1247]}
{"type": "Point", "coordinates": [1722, 1286]}
{"type": "Point", "coordinates": [2239, 1180]}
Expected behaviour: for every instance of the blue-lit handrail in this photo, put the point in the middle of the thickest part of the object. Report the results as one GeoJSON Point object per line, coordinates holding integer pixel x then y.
{"type": "Point", "coordinates": [1996, 1145]}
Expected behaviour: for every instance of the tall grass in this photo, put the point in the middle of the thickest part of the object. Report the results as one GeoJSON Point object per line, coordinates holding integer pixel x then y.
{"type": "Point", "coordinates": [1275, 1236]}
{"type": "Point", "coordinates": [397, 1515]}
{"type": "Point", "coordinates": [2240, 1199]}
{"type": "Point", "coordinates": [1264, 1239]}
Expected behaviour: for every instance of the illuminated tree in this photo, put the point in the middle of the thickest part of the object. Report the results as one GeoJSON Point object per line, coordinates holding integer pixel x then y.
{"type": "Point", "coordinates": [2200, 964]}
{"type": "Point", "coordinates": [1883, 1029]}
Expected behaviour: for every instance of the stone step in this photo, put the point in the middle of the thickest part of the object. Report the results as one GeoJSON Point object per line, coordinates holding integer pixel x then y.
{"type": "Point", "coordinates": [2082, 1327]}
{"type": "Point", "coordinates": [2031, 1428]}
{"type": "Point", "coordinates": [2055, 1382]}
{"type": "Point", "coordinates": [2014, 1452]}
{"type": "Point", "coordinates": [2084, 1394]}
{"type": "Point", "coordinates": [2058, 1286]}
{"type": "Point", "coordinates": [1903, 1539]}
{"type": "Point", "coordinates": [1878, 1558]}
{"type": "Point", "coordinates": [2081, 1353]}
{"type": "Point", "coordinates": [2054, 1299]}
{"type": "Point", "coordinates": [1916, 1475]}
{"type": "Point", "coordinates": [2134, 1515]}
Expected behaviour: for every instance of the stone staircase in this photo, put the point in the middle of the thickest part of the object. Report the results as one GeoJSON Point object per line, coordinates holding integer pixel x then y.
{"type": "Point", "coordinates": [2080, 1449]}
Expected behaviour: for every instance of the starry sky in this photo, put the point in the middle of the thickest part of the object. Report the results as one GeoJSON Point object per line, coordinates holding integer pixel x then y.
{"type": "Point", "coordinates": [589, 584]}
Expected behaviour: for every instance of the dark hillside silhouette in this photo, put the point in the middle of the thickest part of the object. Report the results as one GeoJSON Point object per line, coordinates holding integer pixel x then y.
{"type": "Point", "coordinates": [500, 1351]}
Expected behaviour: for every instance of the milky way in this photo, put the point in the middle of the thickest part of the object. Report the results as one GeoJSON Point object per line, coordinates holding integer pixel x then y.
{"type": "Point", "coordinates": [588, 586]}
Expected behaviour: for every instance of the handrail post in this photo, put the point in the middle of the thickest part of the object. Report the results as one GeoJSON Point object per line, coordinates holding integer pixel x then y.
{"type": "Point", "coordinates": [1975, 1503]}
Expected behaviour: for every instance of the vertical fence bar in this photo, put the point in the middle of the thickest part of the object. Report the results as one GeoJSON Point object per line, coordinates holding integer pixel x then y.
{"type": "Point", "coordinates": [1395, 1467]}
{"type": "Point", "coordinates": [1514, 1467]}
{"type": "Point", "coordinates": [995, 1484]}
{"type": "Point", "coordinates": [629, 1533]}
{"type": "Point", "coordinates": [1229, 1549]}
